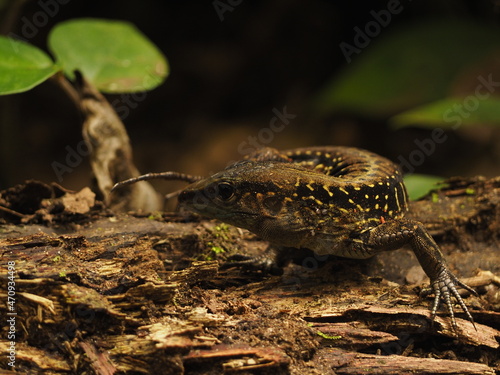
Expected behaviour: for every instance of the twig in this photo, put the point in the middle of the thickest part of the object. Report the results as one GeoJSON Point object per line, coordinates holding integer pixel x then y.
{"type": "Point", "coordinates": [172, 176]}
{"type": "Point", "coordinates": [12, 212]}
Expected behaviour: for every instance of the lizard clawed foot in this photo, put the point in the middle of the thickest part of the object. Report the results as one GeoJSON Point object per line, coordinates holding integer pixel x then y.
{"type": "Point", "coordinates": [445, 286]}
{"type": "Point", "coordinates": [249, 263]}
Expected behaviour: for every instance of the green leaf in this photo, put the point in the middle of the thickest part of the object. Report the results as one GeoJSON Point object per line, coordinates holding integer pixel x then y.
{"type": "Point", "coordinates": [419, 185]}
{"type": "Point", "coordinates": [407, 66]}
{"type": "Point", "coordinates": [22, 66]}
{"type": "Point", "coordinates": [113, 55]}
{"type": "Point", "coordinates": [452, 113]}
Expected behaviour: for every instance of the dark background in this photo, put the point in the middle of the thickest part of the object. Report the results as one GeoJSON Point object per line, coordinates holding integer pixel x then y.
{"type": "Point", "coordinates": [226, 76]}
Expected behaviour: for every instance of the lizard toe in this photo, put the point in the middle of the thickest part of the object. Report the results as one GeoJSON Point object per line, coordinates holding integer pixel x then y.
{"type": "Point", "coordinates": [444, 287]}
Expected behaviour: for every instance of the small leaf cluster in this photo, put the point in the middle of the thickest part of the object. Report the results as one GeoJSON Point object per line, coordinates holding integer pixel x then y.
{"type": "Point", "coordinates": [114, 56]}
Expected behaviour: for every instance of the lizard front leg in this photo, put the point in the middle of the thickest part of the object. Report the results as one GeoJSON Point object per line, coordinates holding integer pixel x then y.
{"type": "Point", "coordinates": [394, 234]}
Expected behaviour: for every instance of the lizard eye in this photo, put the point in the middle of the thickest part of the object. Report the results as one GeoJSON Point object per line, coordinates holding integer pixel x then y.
{"type": "Point", "coordinates": [225, 191]}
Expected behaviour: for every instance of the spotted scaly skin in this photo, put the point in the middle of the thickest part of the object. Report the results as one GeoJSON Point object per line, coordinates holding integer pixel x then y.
{"type": "Point", "coordinates": [338, 201]}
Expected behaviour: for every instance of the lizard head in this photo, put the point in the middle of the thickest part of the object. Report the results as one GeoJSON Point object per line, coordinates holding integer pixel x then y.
{"type": "Point", "coordinates": [255, 195]}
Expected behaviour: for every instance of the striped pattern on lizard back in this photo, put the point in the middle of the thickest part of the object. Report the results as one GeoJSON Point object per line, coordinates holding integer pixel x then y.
{"type": "Point", "coordinates": [362, 180]}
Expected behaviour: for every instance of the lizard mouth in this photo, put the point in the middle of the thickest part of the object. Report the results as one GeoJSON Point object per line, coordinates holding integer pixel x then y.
{"type": "Point", "coordinates": [197, 201]}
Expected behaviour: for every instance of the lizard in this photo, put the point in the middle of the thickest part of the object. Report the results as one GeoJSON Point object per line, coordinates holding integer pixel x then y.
{"type": "Point", "coordinates": [332, 200]}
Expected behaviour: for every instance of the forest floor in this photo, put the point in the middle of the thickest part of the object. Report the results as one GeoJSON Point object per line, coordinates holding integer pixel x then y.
{"type": "Point", "coordinates": [104, 293]}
